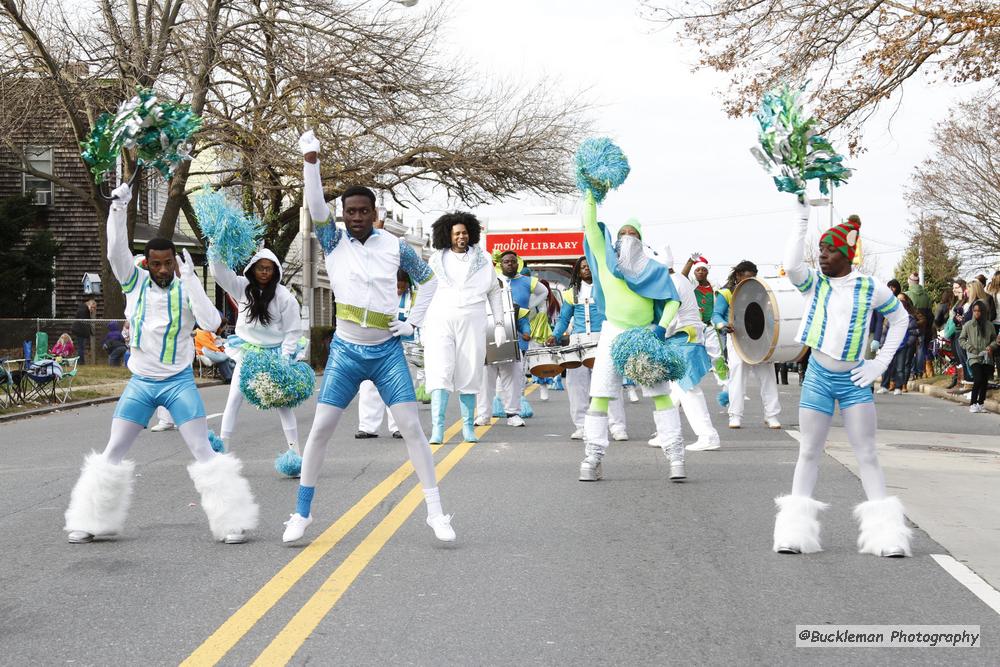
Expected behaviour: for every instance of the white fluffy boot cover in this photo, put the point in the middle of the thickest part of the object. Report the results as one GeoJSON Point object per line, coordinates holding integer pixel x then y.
{"type": "Point", "coordinates": [668, 432]}
{"type": "Point", "coordinates": [595, 434]}
{"type": "Point", "coordinates": [225, 495]}
{"type": "Point", "coordinates": [100, 500]}
{"type": "Point", "coordinates": [882, 527]}
{"type": "Point", "coordinates": [797, 523]}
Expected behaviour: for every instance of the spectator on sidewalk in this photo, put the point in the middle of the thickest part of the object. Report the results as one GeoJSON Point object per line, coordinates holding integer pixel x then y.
{"type": "Point", "coordinates": [210, 345]}
{"type": "Point", "coordinates": [82, 328]}
{"type": "Point", "coordinates": [894, 287]}
{"type": "Point", "coordinates": [958, 288]}
{"type": "Point", "coordinates": [979, 340]}
{"type": "Point", "coordinates": [63, 347]}
{"type": "Point", "coordinates": [921, 301]}
{"type": "Point", "coordinates": [114, 344]}
{"type": "Point", "coordinates": [902, 361]}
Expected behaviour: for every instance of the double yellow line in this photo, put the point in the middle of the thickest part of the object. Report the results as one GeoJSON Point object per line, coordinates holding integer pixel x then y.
{"type": "Point", "coordinates": [298, 629]}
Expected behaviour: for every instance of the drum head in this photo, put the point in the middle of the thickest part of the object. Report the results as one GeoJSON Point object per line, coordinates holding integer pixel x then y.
{"type": "Point", "coordinates": [755, 317]}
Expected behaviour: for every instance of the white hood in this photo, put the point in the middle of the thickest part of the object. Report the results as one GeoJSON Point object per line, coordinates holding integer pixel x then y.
{"type": "Point", "coordinates": [263, 253]}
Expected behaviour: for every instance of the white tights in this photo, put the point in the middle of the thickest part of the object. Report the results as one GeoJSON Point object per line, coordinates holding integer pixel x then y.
{"type": "Point", "coordinates": [288, 423]}
{"type": "Point", "coordinates": [860, 422]}
{"type": "Point", "coordinates": [407, 420]}
{"type": "Point", "coordinates": [124, 433]}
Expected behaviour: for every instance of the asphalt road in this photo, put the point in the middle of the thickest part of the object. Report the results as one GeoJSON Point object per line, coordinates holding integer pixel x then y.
{"type": "Point", "coordinates": [546, 569]}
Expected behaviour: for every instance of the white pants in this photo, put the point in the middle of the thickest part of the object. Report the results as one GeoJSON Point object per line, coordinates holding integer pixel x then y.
{"type": "Point", "coordinates": [578, 389]}
{"type": "Point", "coordinates": [738, 372]}
{"type": "Point", "coordinates": [511, 377]}
{"type": "Point", "coordinates": [454, 349]}
{"type": "Point", "coordinates": [371, 408]}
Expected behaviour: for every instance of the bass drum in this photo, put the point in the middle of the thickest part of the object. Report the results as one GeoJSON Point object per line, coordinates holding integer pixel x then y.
{"type": "Point", "coordinates": [765, 314]}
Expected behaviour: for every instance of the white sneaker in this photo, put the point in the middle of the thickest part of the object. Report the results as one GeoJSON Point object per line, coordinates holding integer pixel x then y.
{"type": "Point", "coordinates": [897, 392]}
{"type": "Point", "coordinates": [577, 434]}
{"type": "Point", "coordinates": [880, 390]}
{"type": "Point", "coordinates": [772, 422]}
{"type": "Point", "coordinates": [619, 434]}
{"type": "Point", "coordinates": [543, 392]}
{"type": "Point", "coordinates": [295, 527]}
{"type": "Point", "coordinates": [655, 441]}
{"type": "Point", "coordinates": [79, 537]}
{"type": "Point", "coordinates": [163, 426]}
{"type": "Point", "coordinates": [677, 471]}
{"type": "Point", "coordinates": [735, 422]}
{"type": "Point", "coordinates": [483, 421]}
{"type": "Point", "coordinates": [974, 408]}
{"type": "Point", "coordinates": [237, 537]}
{"type": "Point", "coordinates": [442, 527]}
{"type": "Point", "coordinates": [703, 446]}
{"type": "Point", "coordinates": [515, 420]}
{"type": "Point", "coordinates": [591, 470]}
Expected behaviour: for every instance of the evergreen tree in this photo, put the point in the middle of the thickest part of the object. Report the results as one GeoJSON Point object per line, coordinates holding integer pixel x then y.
{"type": "Point", "coordinates": [27, 259]}
{"type": "Point", "coordinates": [941, 263]}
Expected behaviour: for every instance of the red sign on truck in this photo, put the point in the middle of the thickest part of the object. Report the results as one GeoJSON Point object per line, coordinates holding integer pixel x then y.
{"type": "Point", "coordinates": [537, 245]}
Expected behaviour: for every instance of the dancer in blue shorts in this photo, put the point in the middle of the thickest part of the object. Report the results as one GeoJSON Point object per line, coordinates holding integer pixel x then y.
{"type": "Point", "coordinates": [362, 263]}
{"type": "Point", "coordinates": [163, 302]}
{"type": "Point", "coordinates": [840, 302]}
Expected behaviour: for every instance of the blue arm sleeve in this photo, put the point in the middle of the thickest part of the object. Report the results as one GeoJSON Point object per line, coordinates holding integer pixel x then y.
{"type": "Point", "coordinates": [328, 234]}
{"type": "Point", "coordinates": [565, 315]}
{"type": "Point", "coordinates": [523, 325]}
{"type": "Point", "coordinates": [418, 270]}
{"type": "Point", "coordinates": [720, 313]}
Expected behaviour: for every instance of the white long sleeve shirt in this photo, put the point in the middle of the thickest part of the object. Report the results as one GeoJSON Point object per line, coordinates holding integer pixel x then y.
{"type": "Point", "coordinates": [161, 319]}
{"type": "Point", "coordinates": [465, 281]}
{"type": "Point", "coordinates": [285, 326]}
{"type": "Point", "coordinates": [839, 310]}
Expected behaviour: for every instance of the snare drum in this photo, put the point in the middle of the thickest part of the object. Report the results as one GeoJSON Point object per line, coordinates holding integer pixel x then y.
{"type": "Point", "coordinates": [571, 357]}
{"type": "Point", "coordinates": [588, 344]}
{"type": "Point", "coordinates": [543, 362]}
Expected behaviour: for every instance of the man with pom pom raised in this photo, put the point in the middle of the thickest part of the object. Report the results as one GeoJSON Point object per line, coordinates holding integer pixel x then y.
{"type": "Point", "coordinates": [840, 302]}
{"type": "Point", "coordinates": [635, 292]}
{"type": "Point", "coordinates": [163, 302]}
{"type": "Point", "coordinates": [362, 263]}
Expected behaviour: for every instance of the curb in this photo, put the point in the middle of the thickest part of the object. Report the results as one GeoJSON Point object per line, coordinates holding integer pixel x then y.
{"type": "Point", "coordinates": [940, 392]}
{"type": "Point", "coordinates": [76, 404]}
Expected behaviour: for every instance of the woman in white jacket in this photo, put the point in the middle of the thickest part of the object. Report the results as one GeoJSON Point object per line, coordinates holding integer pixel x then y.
{"type": "Point", "coordinates": [268, 318]}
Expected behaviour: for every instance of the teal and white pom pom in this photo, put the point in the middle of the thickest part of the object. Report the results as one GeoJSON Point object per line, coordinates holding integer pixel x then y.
{"type": "Point", "coordinates": [600, 166]}
{"type": "Point", "coordinates": [217, 444]}
{"type": "Point", "coordinates": [724, 398]}
{"type": "Point", "coordinates": [638, 354]}
{"type": "Point", "coordinates": [289, 464]}
{"type": "Point", "coordinates": [233, 236]}
{"type": "Point", "coordinates": [271, 380]}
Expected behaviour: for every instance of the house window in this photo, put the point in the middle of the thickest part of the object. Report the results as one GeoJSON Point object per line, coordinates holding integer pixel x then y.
{"type": "Point", "coordinates": [40, 159]}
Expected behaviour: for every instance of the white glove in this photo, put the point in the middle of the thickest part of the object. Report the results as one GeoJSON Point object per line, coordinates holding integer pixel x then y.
{"type": "Point", "coordinates": [401, 328]}
{"type": "Point", "coordinates": [867, 372]}
{"type": "Point", "coordinates": [121, 196]}
{"type": "Point", "coordinates": [186, 265]}
{"type": "Point", "coordinates": [308, 143]}
{"type": "Point", "coordinates": [875, 345]}
{"type": "Point", "coordinates": [695, 256]}
{"type": "Point", "coordinates": [499, 335]}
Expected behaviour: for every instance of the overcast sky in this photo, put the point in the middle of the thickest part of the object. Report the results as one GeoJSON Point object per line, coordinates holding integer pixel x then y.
{"type": "Point", "coordinates": [694, 183]}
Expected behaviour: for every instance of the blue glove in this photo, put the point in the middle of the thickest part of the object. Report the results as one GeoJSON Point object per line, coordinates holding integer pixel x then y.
{"type": "Point", "coordinates": [660, 332]}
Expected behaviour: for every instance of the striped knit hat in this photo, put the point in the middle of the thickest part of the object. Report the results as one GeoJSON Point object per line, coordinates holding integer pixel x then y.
{"type": "Point", "coordinates": [844, 237]}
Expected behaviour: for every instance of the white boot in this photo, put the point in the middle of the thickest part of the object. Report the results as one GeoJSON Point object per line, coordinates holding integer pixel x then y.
{"type": "Point", "coordinates": [696, 410]}
{"type": "Point", "coordinates": [796, 527]}
{"type": "Point", "coordinates": [882, 529]}
{"type": "Point", "coordinates": [595, 434]}
{"type": "Point", "coordinates": [225, 497]}
{"type": "Point", "coordinates": [668, 430]}
{"type": "Point", "coordinates": [100, 499]}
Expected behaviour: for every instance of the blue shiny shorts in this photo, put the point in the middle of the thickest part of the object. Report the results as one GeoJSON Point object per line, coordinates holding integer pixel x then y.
{"type": "Point", "coordinates": [350, 364]}
{"type": "Point", "coordinates": [178, 394]}
{"type": "Point", "coordinates": [822, 388]}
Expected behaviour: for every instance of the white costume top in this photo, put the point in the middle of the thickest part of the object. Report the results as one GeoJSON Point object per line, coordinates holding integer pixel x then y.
{"type": "Point", "coordinates": [839, 310]}
{"type": "Point", "coordinates": [161, 319]}
{"type": "Point", "coordinates": [465, 282]}
{"type": "Point", "coordinates": [363, 274]}
{"type": "Point", "coordinates": [688, 314]}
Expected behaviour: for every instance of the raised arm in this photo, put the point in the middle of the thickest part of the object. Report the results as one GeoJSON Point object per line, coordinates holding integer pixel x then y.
{"type": "Point", "coordinates": [593, 233]}
{"type": "Point", "coordinates": [234, 284]}
{"type": "Point", "coordinates": [205, 314]}
{"type": "Point", "coordinates": [795, 265]}
{"type": "Point", "coordinates": [119, 256]}
{"type": "Point", "coordinates": [312, 194]}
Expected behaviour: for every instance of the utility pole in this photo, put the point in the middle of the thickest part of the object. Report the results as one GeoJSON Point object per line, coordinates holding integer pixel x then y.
{"type": "Point", "coordinates": [920, 251]}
